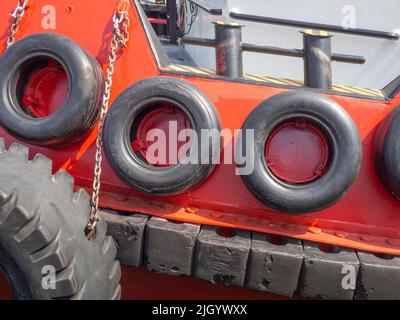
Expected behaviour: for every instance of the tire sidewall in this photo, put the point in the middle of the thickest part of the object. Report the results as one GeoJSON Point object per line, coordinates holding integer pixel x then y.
{"type": "Point", "coordinates": [387, 152]}
{"type": "Point", "coordinates": [80, 108]}
{"type": "Point", "coordinates": [146, 178]}
{"type": "Point", "coordinates": [346, 152]}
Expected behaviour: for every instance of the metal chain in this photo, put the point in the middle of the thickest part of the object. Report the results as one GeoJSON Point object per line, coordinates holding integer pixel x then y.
{"type": "Point", "coordinates": [17, 17]}
{"type": "Point", "coordinates": [119, 39]}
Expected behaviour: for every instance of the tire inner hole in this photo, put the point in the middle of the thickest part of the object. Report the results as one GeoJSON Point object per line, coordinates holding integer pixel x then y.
{"type": "Point", "coordinates": [160, 134]}
{"type": "Point", "coordinates": [41, 87]}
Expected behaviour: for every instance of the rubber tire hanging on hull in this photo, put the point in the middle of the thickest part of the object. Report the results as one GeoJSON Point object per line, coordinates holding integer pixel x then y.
{"type": "Point", "coordinates": [340, 131]}
{"type": "Point", "coordinates": [80, 110]}
{"type": "Point", "coordinates": [42, 223]}
{"type": "Point", "coordinates": [126, 110]}
{"type": "Point", "coordinates": [387, 152]}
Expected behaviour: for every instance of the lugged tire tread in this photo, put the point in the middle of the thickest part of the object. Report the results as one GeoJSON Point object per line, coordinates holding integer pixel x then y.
{"type": "Point", "coordinates": [7, 206]}
{"type": "Point", "coordinates": [117, 293]}
{"type": "Point", "coordinates": [52, 235]}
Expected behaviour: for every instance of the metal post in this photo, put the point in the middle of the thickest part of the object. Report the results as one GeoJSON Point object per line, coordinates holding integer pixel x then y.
{"type": "Point", "coordinates": [172, 21]}
{"type": "Point", "coordinates": [229, 60]}
{"type": "Point", "coordinates": [317, 59]}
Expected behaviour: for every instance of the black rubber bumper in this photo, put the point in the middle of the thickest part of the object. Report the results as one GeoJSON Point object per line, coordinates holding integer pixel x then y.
{"type": "Point", "coordinates": [169, 246]}
{"type": "Point", "coordinates": [274, 267]}
{"type": "Point", "coordinates": [324, 273]}
{"type": "Point", "coordinates": [221, 259]}
{"type": "Point", "coordinates": [80, 110]}
{"type": "Point", "coordinates": [128, 233]}
{"type": "Point", "coordinates": [121, 125]}
{"type": "Point", "coordinates": [387, 152]}
{"type": "Point", "coordinates": [272, 264]}
{"type": "Point", "coordinates": [378, 278]}
{"type": "Point", "coordinates": [338, 128]}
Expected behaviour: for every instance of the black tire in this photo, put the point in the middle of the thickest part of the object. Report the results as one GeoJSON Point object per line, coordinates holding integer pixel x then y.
{"type": "Point", "coordinates": [346, 152]}
{"type": "Point", "coordinates": [42, 223]}
{"type": "Point", "coordinates": [387, 152]}
{"type": "Point", "coordinates": [80, 110]}
{"type": "Point", "coordinates": [128, 107]}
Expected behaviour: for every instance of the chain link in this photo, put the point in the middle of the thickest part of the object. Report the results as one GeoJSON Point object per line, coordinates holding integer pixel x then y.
{"type": "Point", "coordinates": [17, 17]}
{"type": "Point", "coordinates": [119, 39]}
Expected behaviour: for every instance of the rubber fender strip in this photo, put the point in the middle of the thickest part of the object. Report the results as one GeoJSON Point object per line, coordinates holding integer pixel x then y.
{"type": "Point", "coordinates": [257, 261]}
{"type": "Point", "coordinates": [323, 272]}
{"type": "Point", "coordinates": [170, 246]}
{"type": "Point", "coordinates": [128, 233]}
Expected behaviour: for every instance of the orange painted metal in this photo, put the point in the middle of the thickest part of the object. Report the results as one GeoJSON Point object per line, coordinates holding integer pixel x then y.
{"type": "Point", "coordinates": [158, 21]}
{"type": "Point", "coordinates": [367, 218]}
{"type": "Point", "coordinates": [5, 289]}
{"type": "Point", "coordinates": [151, 286]}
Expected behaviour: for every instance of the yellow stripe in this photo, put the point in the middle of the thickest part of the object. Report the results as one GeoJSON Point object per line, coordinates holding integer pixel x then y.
{"type": "Point", "coordinates": [267, 79]}
{"type": "Point", "coordinates": [272, 80]}
{"type": "Point", "coordinates": [298, 82]}
{"type": "Point", "coordinates": [377, 92]}
{"type": "Point", "coordinates": [171, 67]}
{"type": "Point", "coordinates": [283, 81]}
{"type": "Point", "coordinates": [277, 80]}
{"type": "Point", "coordinates": [177, 68]}
{"type": "Point", "coordinates": [358, 90]}
{"type": "Point", "coordinates": [249, 76]}
{"type": "Point", "coordinates": [312, 32]}
{"type": "Point", "coordinates": [309, 31]}
{"type": "Point", "coordinates": [185, 68]}
{"type": "Point", "coordinates": [352, 90]}
{"type": "Point", "coordinates": [291, 82]}
{"type": "Point", "coordinates": [341, 88]}
{"type": "Point", "coordinates": [195, 70]}
{"type": "Point", "coordinates": [374, 92]}
{"type": "Point", "coordinates": [361, 90]}
{"type": "Point", "coordinates": [209, 71]}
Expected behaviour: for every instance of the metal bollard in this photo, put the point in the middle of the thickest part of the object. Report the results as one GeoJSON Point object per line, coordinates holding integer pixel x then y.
{"type": "Point", "coordinates": [228, 40]}
{"type": "Point", "coordinates": [317, 59]}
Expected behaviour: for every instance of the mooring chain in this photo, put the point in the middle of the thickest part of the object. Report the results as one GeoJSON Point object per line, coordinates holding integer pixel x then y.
{"type": "Point", "coordinates": [119, 40]}
{"type": "Point", "coordinates": [17, 18]}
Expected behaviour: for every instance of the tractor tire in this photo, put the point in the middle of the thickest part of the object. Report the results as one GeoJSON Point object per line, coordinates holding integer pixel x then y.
{"type": "Point", "coordinates": [43, 249]}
